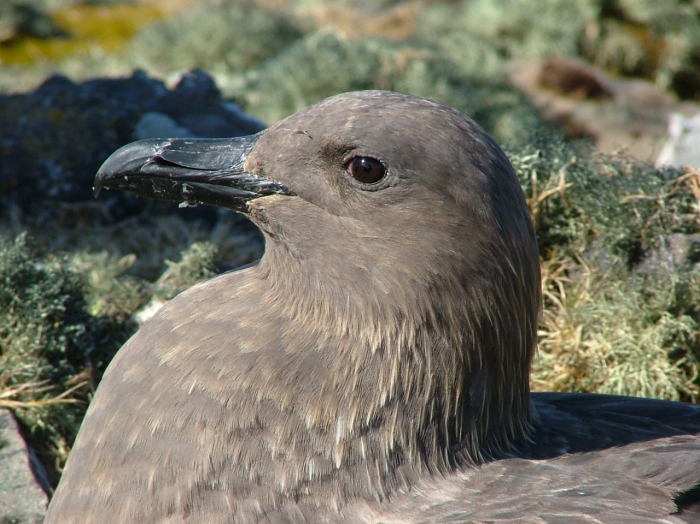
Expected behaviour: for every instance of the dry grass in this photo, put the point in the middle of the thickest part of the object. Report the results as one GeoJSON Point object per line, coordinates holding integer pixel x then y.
{"type": "Point", "coordinates": [595, 336]}
{"type": "Point", "coordinates": [619, 314]}
{"type": "Point", "coordinates": [10, 395]}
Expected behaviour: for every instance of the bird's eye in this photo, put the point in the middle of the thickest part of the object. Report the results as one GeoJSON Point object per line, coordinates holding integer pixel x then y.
{"type": "Point", "coordinates": [366, 170]}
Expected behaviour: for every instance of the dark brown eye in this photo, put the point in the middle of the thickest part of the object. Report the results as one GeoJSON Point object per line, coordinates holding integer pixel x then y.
{"type": "Point", "coordinates": [366, 170]}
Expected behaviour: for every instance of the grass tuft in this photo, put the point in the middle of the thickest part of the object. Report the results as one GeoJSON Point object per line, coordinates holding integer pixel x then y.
{"type": "Point", "coordinates": [63, 316]}
{"type": "Point", "coordinates": [620, 301]}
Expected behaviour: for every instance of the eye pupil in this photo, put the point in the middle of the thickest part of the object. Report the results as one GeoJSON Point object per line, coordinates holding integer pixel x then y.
{"type": "Point", "coordinates": [365, 169]}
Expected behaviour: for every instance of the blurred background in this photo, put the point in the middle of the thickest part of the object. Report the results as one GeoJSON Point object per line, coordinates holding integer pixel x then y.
{"type": "Point", "coordinates": [488, 58]}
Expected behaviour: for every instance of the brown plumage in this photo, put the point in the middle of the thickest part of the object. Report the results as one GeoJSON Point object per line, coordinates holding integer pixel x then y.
{"type": "Point", "coordinates": [373, 366]}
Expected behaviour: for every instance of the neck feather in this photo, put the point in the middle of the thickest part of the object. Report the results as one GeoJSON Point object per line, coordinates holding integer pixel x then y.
{"type": "Point", "coordinates": [426, 374]}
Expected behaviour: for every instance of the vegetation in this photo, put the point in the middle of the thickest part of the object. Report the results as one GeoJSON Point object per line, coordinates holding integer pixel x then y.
{"type": "Point", "coordinates": [64, 314]}
{"type": "Point", "coordinates": [620, 273]}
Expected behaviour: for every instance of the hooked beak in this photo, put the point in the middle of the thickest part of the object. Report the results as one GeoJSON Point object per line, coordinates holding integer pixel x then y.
{"type": "Point", "coordinates": [188, 170]}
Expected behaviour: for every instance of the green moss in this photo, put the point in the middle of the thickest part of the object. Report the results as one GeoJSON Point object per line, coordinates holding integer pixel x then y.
{"type": "Point", "coordinates": [46, 343]}
{"type": "Point", "coordinates": [43, 331]}
{"type": "Point", "coordinates": [624, 204]}
{"type": "Point", "coordinates": [325, 63]}
{"type": "Point", "coordinates": [525, 29]}
{"type": "Point", "coordinates": [108, 287]}
{"type": "Point", "coordinates": [620, 315]}
{"type": "Point", "coordinates": [223, 37]}
{"type": "Point", "coordinates": [197, 263]}
{"type": "Point", "coordinates": [609, 331]}
{"type": "Point", "coordinates": [62, 319]}
{"type": "Point", "coordinates": [659, 41]}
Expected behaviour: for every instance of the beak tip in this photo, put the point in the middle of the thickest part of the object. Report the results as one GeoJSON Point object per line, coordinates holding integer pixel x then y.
{"type": "Point", "coordinates": [98, 185]}
{"type": "Point", "coordinates": [100, 179]}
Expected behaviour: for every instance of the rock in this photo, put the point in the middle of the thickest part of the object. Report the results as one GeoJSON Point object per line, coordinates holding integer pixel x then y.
{"type": "Point", "coordinates": [683, 145]}
{"type": "Point", "coordinates": [157, 125]}
{"type": "Point", "coordinates": [53, 140]}
{"type": "Point", "coordinates": [23, 497]}
{"type": "Point", "coordinates": [679, 253]}
{"type": "Point", "coordinates": [685, 249]}
{"type": "Point", "coordinates": [618, 114]}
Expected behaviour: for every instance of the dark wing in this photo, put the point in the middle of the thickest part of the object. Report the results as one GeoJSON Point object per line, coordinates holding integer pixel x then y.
{"type": "Point", "coordinates": [636, 483]}
{"type": "Point", "coordinates": [592, 459]}
{"type": "Point", "coordinates": [574, 423]}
